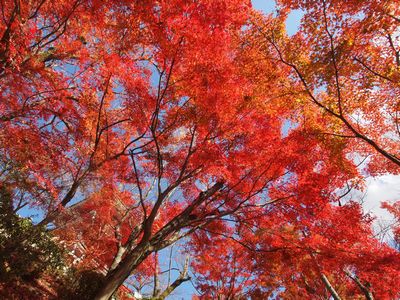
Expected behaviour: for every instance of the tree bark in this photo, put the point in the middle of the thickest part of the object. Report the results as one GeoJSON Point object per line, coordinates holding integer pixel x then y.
{"type": "Point", "coordinates": [145, 247]}
{"type": "Point", "coordinates": [117, 276]}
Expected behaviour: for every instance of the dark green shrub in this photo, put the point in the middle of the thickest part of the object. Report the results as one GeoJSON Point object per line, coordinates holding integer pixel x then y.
{"type": "Point", "coordinates": [26, 250]}
{"type": "Point", "coordinates": [80, 285]}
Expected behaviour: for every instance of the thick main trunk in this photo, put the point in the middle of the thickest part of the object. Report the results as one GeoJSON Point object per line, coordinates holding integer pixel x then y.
{"type": "Point", "coordinates": [148, 245]}
{"type": "Point", "coordinates": [117, 277]}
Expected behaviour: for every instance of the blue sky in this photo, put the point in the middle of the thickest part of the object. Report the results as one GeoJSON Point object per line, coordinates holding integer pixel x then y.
{"type": "Point", "coordinates": [269, 6]}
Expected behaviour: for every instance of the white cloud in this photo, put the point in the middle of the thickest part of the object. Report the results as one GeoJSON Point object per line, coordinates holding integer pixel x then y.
{"type": "Point", "coordinates": [378, 189]}
{"type": "Point", "coordinates": [381, 188]}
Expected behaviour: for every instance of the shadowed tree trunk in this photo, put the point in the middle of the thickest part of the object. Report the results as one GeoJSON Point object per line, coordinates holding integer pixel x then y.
{"type": "Point", "coordinates": [152, 243]}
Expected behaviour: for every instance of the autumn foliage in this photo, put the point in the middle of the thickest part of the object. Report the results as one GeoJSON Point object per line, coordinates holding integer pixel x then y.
{"type": "Point", "coordinates": [137, 126]}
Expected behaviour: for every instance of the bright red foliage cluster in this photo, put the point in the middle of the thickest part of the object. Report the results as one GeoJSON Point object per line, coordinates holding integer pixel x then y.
{"type": "Point", "coordinates": [135, 124]}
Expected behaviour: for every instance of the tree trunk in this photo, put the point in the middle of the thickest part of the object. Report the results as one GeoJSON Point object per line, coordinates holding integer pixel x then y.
{"type": "Point", "coordinates": [117, 277]}
{"type": "Point", "coordinates": [148, 245]}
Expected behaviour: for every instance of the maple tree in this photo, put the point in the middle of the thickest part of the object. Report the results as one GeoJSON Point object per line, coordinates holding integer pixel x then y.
{"type": "Point", "coordinates": [134, 124]}
{"type": "Point", "coordinates": [332, 253]}
{"type": "Point", "coordinates": [344, 62]}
